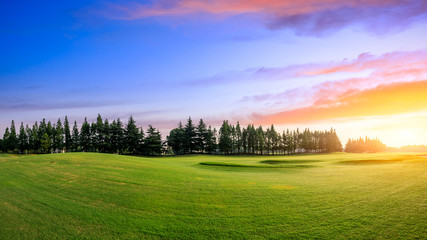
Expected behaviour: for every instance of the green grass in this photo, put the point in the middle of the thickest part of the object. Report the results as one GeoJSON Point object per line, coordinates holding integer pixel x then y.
{"type": "Point", "coordinates": [101, 196]}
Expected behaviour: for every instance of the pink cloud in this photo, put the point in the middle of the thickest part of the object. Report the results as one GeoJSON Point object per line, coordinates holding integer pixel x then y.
{"type": "Point", "coordinates": [307, 17]}
{"type": "Point", "coordinates": [388, 68]}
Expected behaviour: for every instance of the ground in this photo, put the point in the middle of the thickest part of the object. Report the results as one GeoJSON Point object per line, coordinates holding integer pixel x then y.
{"type": "Point", "coordinates": [102, 196]}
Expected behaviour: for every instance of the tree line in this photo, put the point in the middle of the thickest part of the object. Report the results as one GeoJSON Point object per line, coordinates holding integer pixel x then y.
{"type": "Point", "coordinates": [100, 136]}
{"type": "Point", "coordinates": [230, 139]}
{"type": "Point", "coordinates": [118, 138]}
{"type": "Point", "coordinates": [366, 145]}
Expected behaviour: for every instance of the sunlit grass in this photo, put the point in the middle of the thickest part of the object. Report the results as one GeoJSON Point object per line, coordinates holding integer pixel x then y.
{"type": "Point", "coordinates": [101, 196]}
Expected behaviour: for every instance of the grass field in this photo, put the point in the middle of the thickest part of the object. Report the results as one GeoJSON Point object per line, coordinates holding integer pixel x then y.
{"type": "Point", "coordinates": [100, 196]}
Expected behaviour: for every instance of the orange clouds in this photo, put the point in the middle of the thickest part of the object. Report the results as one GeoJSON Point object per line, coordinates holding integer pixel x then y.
{"type": "Point", "coordinates": [382, 100]}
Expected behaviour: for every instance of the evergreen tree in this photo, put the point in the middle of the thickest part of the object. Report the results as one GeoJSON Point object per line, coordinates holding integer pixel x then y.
{"type": "Point", "coordinates": [201, 136]}
{"type": "Point", "coordinates": [120, 136]}
{"type": "Point", "coordinates": [75, 138]}
{"type": "Point", "coordinates": [6, 137]}
{"type": "Point", "coordinates": [13, 139]}
{"type": "Point", "coordinates": [93, 139]}
{"type": "Point", "coordinates": [23, 139]}
{"type": "Point", "coordinates": [238, 138]}
{"type": "Point", "coordinates": [105, 145]}
{"type": "Point", "coordinates": [245, 140]}
{"type": "Point", "coordinates": [35, 138]}
{"type": "Point", "coordinates": [141, 146]}
{"type": "Point", "coordinates": [132, 136]}
{"type": "Point", "coordinates": [42, 129]}
{"type": "Point", "coordinates": [85, 136]}
{"type": "Point", "coordinates": [261, 143]}
{"type": "Point", "coordinates": [190, 137]}
{"type": "Point", "coordinates": [153, 142]}
{"type": "Point", "coordinates": [30, 141]}
{"type": "Point", "coordinates": [284, 142]}
{"type": "Point", "coordinates": [233, 139]}
{"type": "Point", "coordinates": [58, 137]}
{"type": "Point", "coordinates": [252, 139]}
{"type": "Point", "coordinates": [67, 135]}
{"type": "Point", "coordinates": [211, 140]}
{"type": "Point", "coordinates": [50, 130]}
{"type": "Point", "coordinates": [225, 138]}
{"type": "Point", "coordinates": [46, 143]}
{"type": "Point", "coordinates": [99, 136]}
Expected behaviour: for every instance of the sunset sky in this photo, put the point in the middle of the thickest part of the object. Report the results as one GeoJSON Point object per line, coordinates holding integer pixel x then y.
{"type": "Point", "coordinates": [359, 66]}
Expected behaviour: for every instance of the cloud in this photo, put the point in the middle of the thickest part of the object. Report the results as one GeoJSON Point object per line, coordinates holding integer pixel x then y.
{"type": "Point", "coordinates": [394, 60]}
{"type": "Point", "coordinates": [8, 105]}
{"type": "Point", "coordinates": [385, 69]}
{"type": "Point", "coordinates": [383, 100]}
{"type": "Point", "coordinates": [389, 67]}
{"type": "Point", "coordinates": [306, 17]}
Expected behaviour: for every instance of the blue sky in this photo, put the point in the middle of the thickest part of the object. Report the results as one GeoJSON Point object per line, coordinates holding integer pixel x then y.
{"type": "Point", "coordinates": [162, 61]}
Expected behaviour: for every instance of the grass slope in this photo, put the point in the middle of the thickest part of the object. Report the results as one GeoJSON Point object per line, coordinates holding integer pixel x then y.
{"type": "Point", "coordinates": [100, 196]}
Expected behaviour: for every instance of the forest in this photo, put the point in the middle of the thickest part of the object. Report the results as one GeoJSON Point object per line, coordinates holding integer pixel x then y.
{"type": "Point", "coordinates": [118, 138]}
{"type": "Point", "coordinates": [230, 139]}
{"type": "Point", "coordinates": [100, 136]}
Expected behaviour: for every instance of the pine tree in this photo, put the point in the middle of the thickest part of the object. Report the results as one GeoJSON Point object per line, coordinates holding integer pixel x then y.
{"type": "Point", "coordinates": [6, 137]}
{"type": "Point", "coordinates": [23, 139]}
{"type": "Point", "coordinates": [46, 143]}
{"type": "Point", "coordinates": [35, 138]}
{"type": "Point", "coordinates": [105, 146]}
{"type": "Point", "coordinates": [238, 138]}
{"type": "Point", "coordinates": [224, 144]}
{"type": "Point", "coordinates": [59, 137]}
{"type": "Point", "coordinates": [75, 138]}
{"type": "Point", "coordinates": [30, 141]}
{"type": "Point", "coordinates": [85, 136]}
{"type": "Point", "coordinates": [153, 142]}
{"type": "Point", "coordinates": [245, 140]}
{"type": "Point", "coordinates": [190, 137]}
{"type": "Point", "coordinates": [67, 135]}
{"type": "Point", "coordinates": [13, 139]}
{"type": "Point", "coordinates": [132, 136]}
{"type": "Point", "coordinates": [252, 139]}
{"type": "Point", "coordinates": [260, 137]}
{"type": "Point", "coordinates": [201, 136]}
{"type": "Point", "coordinates": [99, 136]}
{"type": "Point", "coordinates": [93, 139]}
{"type": "Point", "coordinates": [120, 138]}
{"type": "Point", "coordinates": [42, 129]}
{"type": "Point", "coordinates": [211, 140]}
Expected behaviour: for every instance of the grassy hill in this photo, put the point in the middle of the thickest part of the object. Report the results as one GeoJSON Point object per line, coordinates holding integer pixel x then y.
{"type": "Point", "coordinates": [101, 196]}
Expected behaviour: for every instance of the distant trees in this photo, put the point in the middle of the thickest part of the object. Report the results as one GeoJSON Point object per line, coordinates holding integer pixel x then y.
{"type": "Point", "coordinates": [192, 139]}
{"type": "Point", "coordinates": [115, 137]}
{"type": "Point", "coordinates": [232, 139]}
{"type": "Point", "coordinates": [366, 145]}
{"type": "Point", "coordinates": [99, 136]}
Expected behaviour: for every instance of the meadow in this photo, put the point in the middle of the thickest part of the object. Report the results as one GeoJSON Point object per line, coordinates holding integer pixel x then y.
{"type": "Point", "coordinates": [104, 196]}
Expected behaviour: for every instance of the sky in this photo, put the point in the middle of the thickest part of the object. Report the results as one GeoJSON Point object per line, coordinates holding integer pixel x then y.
{"type": "Point", "coordinates": [358, 66]}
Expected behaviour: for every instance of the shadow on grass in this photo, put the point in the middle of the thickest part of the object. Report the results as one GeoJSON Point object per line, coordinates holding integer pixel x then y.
{"type": "Point", "coordinates": [236, 165]}
{"type": "Point", "coordinates": [367, 162]}
{"type": "Point", "coordinates": [274, 162]}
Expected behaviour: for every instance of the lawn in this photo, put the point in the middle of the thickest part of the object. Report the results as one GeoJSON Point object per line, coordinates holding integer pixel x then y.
{"type": "Point", "coordinates": [102, 196]}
